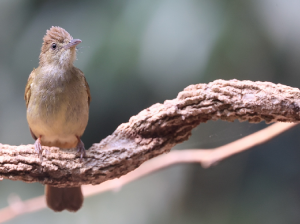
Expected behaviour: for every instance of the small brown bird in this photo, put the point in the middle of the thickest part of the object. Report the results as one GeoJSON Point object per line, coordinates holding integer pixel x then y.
{"type": "Point", "coordinates": [57, 98]}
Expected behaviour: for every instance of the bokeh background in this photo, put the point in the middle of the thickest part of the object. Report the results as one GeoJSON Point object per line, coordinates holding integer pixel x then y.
{"type": "Point", "coordinates": [139, 52]}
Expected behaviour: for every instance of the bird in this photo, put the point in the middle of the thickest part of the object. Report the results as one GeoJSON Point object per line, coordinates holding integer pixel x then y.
{"type": "Point", "coordinates": [57, 98]}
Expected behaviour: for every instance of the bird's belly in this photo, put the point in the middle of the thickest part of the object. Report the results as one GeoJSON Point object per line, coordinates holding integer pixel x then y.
{"type": "Point", "coordinates": [58, 120]}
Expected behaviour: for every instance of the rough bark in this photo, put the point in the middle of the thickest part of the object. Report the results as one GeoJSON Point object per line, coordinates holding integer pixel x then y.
{"type": "Point", "coordinates": [152, 132]}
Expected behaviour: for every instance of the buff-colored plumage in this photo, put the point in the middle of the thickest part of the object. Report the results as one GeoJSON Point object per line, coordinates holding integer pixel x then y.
{"type": "Point", "coordinates": [57, 97]}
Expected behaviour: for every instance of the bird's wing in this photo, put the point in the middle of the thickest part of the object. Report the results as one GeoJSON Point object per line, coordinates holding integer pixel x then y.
{"type": "Point", "coordinates": [87, 90]}
{"type": "Point", "coordinates": [86, 85]}
{"type": "Point", "coordinates": [28, 87]}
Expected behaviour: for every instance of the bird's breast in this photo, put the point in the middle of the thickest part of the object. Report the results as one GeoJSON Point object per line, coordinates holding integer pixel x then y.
{"type": "Point", "coordinates": [58, 108]}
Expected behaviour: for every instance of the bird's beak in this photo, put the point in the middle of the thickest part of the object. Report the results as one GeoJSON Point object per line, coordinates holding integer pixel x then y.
{"type": "Point", "coordinates": [72, 43]}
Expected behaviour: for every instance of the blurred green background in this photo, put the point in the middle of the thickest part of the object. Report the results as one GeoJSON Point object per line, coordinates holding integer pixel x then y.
{"type": "Point", "coordinates": [139, 52]}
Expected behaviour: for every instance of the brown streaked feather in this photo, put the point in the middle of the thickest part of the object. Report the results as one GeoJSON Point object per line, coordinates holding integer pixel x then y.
{"type": "Point", "coordinates": [87, 90]}
{"type": "Point", "coordinates": [27, 94]}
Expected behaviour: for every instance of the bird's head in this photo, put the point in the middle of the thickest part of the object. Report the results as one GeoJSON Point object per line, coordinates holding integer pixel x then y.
{"type": "Point", "coordinates": [59, 48]}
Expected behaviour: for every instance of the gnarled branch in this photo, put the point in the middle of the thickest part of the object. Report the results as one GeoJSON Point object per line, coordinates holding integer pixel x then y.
{"type": "Point", "coordinates": [206, 157]}
{"type": "Point", "coordinates": [152, 132]}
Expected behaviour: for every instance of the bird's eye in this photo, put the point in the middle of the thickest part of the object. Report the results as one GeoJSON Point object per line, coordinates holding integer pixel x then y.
{"type": "Point", "coordinates": [53, 46]}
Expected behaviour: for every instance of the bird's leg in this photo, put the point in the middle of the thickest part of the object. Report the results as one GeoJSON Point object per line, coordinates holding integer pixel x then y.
{"type": "Point", "coordinates": [38, 147]}
{"type": "Point", "coordinates": [80, 147]}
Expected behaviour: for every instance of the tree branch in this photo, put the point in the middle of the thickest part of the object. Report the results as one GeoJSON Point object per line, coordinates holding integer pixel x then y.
{"type": "Point", "coordinates": [206, 157]}
{"type": "Point", "coordinates": [152, 132]}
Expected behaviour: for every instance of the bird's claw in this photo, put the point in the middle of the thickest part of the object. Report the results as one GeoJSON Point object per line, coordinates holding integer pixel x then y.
{"type": "Point", "coordinates": [81, 149]}
{"type": "Point", "coordinates": [38, 148]}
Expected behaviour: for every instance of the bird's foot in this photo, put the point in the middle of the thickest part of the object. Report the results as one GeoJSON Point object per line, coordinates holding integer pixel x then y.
{"type": "Point", "coordinates": [80, 148]}
{"type": "Point", "coordinates": [38, 148]}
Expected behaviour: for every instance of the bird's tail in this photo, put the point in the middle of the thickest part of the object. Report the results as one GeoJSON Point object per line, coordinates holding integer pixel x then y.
{"type": "Point", "coordinates": [59, 199]}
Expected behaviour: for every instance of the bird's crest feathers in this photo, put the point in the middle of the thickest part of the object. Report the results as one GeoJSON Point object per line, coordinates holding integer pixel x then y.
{"type": "Point", "coordinates": [55, 34]}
